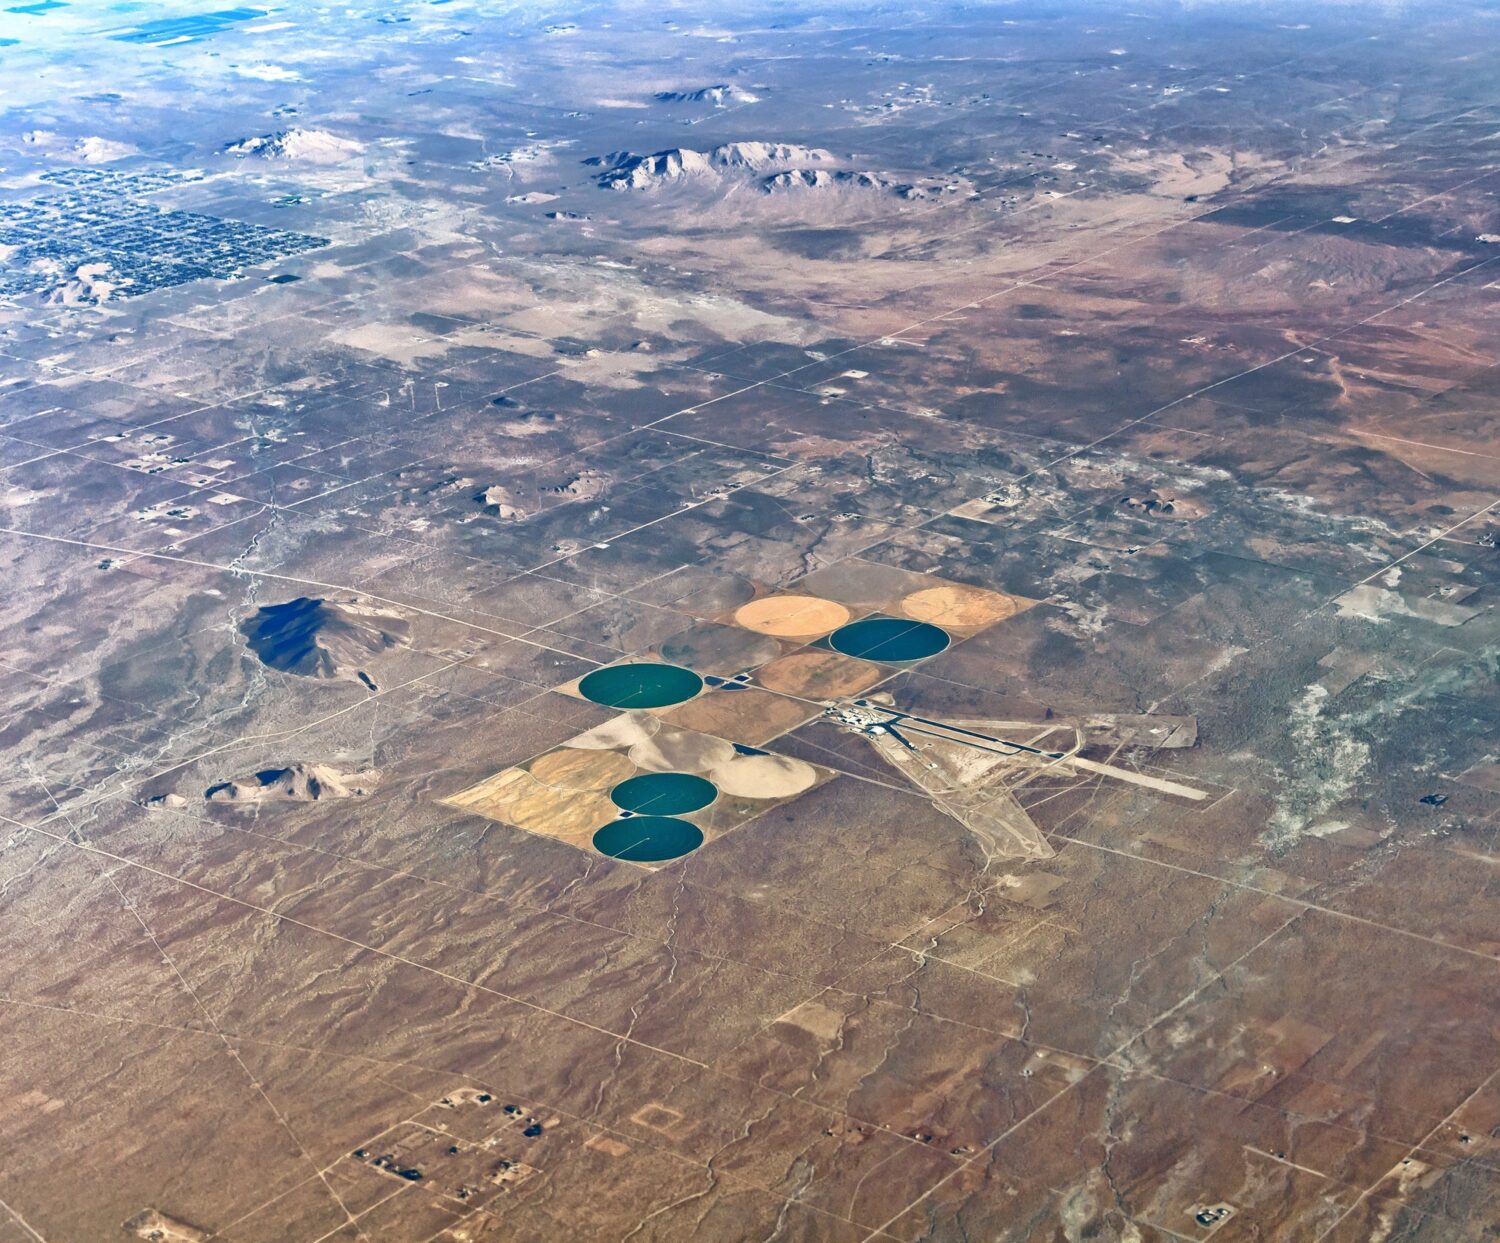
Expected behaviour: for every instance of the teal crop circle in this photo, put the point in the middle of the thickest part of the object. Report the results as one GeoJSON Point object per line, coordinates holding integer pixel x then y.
{"type": "Point", "coordinates": [647, 839]}
{"type": "Point", "coordinates": [891, 639]}
{"type": "Point", "coordinates": [664, 794]}
{"type": "Point", "coordinates": [640, 686]}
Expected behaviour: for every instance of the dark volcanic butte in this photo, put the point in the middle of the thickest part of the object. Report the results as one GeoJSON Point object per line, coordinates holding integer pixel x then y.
{"type": "Point", "coordinates": [317, 638]}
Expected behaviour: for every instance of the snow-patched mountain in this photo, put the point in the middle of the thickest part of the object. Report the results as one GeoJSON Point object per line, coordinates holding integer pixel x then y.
{"type": "Point", "coordinates": [759, 156]}
{"type": "Point", "coordinates": [821, 179]}
{"type": "Point", "coordinates": [88, 150]}
{"type": "Point", "coordinates": [306, 146]}
{"type": "Point", "coordinates": [96, 150]}
{"type": "Point", "coordinates": [797, 180]}
{"type": "Point", "coordinates": [625, 170]}
{"type": "Point", "coordinates": [720, 95]}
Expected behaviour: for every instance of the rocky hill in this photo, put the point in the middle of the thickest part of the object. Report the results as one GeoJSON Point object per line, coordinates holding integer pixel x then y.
{"type": "Point", "coordinates": [626, 170]}
{"type": "Point", "coordinates": [306, 146]}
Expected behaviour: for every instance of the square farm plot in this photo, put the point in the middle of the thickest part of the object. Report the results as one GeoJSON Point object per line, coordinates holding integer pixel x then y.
{"type": "Point", "coordinates": [770, 660]}
{"type": "Point", "coordinates": [640, 788]}
{"type": "Point", "coordinates": [848, 625]}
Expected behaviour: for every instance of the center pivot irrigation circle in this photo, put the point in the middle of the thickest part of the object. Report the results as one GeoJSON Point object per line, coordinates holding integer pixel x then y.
{"type": "Point", "coordinates": [664, 794]}
{"type": "Point", "coordinates": [647, 839]}
{"type": "Point", "coordinates": [791, 617]}
{"type": "Point", "coordinates": [640, 686]}
{"type": "Point", "coordinates": [890, 639]}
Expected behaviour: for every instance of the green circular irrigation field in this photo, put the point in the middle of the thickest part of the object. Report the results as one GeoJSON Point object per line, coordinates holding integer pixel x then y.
{"type": "Point", "coordinates": [647, 839]}
{"type": "Point", "coordinates": [664, 794]}
{"type": "Point", "coordinates": [889, 639]}
{"type": "Point", "coordinates": [643, 685]}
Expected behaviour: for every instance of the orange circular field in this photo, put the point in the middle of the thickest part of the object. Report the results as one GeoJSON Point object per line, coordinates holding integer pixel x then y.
{"type": "Point", "coordinates": [958, 606]}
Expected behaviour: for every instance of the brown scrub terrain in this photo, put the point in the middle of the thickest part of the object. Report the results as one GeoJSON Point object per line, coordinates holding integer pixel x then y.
{"type": "Point", "coordinates": [750, 622]}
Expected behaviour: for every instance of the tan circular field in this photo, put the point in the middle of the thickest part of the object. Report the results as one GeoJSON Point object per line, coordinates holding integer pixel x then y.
{"type": "Point", "coordinates": [568, 769]}
{"type": "Point", "coordinates": [625, 730]}
{"type": "Point", "coordinates": [763, 776]}
{"type": "Point", "coordinates": [961, 607]}
{"type": "Point", "coordinates": [558, 813]}
{"type": "Point", "coordinates": [791, 617]}
{"type": "Point", "coordinates": [681, 751]}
